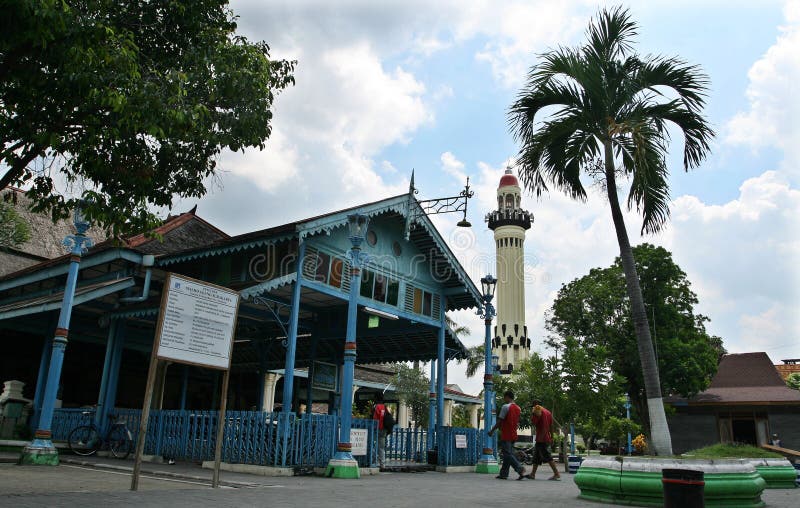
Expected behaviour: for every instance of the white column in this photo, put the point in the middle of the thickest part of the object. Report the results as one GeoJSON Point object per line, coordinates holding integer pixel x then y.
{"type": "Point", "coordinates": [473, 415]}
{"type": "Point", "coordinates": [270, 381]}
{"type": "Point", "coordinates": [402, 415]}
{"type": "Point", "coordinates": [448, 412]}
{"type": "Point", "coordinates": [355, 389]}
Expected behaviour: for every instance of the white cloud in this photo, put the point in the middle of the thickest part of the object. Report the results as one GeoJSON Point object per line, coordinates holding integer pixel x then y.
{"type": "Point", "coordinates": [771, 119]}
{"type": "Point", "coordinates": [453, 166]}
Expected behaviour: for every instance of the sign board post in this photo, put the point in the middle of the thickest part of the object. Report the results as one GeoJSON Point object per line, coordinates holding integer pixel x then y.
{"type": "Point", "coordinates": [196, 325]}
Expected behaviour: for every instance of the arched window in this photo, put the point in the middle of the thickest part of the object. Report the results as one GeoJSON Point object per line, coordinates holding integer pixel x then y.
{"type": "Point", "coordinates": [509, 201]}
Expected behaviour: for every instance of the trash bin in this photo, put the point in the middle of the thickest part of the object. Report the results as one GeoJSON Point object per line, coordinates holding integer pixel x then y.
{"type": "Point", "coordinates": [433, 457]}
{"type": "Point", "coordinates": [683, 488]}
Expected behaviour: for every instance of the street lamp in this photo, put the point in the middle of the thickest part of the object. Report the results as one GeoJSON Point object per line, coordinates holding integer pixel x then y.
{"type": "Point", "coordinates": [41, 449]}
{"type": "Point", "coordinates": [343, 465]}
{"type": "Point", "coordinates": [487, 462]}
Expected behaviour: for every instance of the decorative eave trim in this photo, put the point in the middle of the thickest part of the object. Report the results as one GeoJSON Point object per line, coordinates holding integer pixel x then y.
{"type": "Point", "coordinates": [226, 249]}
{"type": "Point", "coordinates": [327, 224]}
{"type": "Point", "coordinates": [267, 286]}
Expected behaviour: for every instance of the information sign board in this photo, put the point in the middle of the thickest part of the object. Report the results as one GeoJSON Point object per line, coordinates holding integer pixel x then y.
{"type": "Point", "coordinates": [197, 323]}
{"type": "Point", "coordinates": [461, 440]}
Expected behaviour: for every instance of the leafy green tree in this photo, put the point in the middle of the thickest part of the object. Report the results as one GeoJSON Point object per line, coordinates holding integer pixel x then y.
{"type": "Point", "coordinates": [611, 109]}
{"type": "Point", "coordinates": [793, 381]}
{"type": "Point", "coordinates": [14, 230]}
{"type": "Point", "coordinates": [131, 100]}
{"type": "Point", "coordinates": [594, 310]}
{"type": "Point", "coordinates": [411, 386]}
{"type": "Point", "coordinates": [461, 416]}
{"type": "Point", "coordinates": [616, 429]}
{"type": "Point", "coordinates": [575, 384]}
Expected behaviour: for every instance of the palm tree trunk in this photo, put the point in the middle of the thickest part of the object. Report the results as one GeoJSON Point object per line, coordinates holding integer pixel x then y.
{"type": "Point", "coordinates": [660, 438]}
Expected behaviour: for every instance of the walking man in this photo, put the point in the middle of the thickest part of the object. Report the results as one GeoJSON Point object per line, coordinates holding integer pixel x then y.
{"type": "Point", "coordinates": [507, 421]}
{"type": "Point", "coordinates": [378, 414]}
{"type": "Point", "coordinates": [542, 421]}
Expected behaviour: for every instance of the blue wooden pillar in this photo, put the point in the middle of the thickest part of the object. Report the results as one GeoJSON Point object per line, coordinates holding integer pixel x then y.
{"type": "Point", "coordinates": [102, 411]}
{"type": "Point", "coordinates": [185, 386]}
{"type": "Point", "coordinates": [262, 373]}
{"type": "Point", "coordinates": [309, 388]}
{"type": "Point", "coordinates": [442, 365]}
{"type": "Point", "coordinates": [291, 339]}
{"type": "Point", "coordinates": [432, 406]}
{"type": "Point", "coordinates": [342, 465]}
{"type": "Point", "coordinates": [41, 380]}
{"type": "Point", "coordinates": [116, 363]}
{"type": "Point", "coordinates": [41, 449]}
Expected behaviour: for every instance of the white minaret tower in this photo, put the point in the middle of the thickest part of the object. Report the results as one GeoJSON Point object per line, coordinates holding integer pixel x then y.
{"type": "Point", "coordinates": [509, 223]}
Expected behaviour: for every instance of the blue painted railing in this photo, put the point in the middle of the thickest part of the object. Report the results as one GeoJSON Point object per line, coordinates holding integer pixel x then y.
{"type": "Point", "coordinates": [251, 437]}
{"type": "Point", "coordinates": [407, 445]}
{"type": "Point", "coordinates": [254, 437]}
{"type": "Point", "coordinates": [64, 420]}
{"type": "Point", "coordinates": [450, 455]}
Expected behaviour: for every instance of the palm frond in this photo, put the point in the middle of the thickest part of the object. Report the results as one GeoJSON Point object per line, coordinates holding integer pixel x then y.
{"type": "Point", "coordinates": [691, 86]}
{"type": "Point", "coordinates": [610, 34]}
{"type": "Point", "coordinates": [644, 156]}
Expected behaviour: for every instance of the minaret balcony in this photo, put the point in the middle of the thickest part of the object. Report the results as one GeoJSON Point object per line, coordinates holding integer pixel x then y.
{"type": "Point", "coordinates": [514, 217]}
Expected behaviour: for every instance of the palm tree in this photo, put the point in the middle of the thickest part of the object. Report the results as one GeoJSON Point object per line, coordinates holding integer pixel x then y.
{"type": "Point", "coordinates": [475, 358]}
{"type": "Point", "coordinates": [609, 110]}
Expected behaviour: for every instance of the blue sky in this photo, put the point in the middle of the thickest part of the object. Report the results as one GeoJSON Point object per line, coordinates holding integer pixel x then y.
{"type": "Point", "coordinates": [384, 87]}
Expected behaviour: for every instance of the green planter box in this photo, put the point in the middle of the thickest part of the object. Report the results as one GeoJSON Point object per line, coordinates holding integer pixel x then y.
{"type": "Point", "coordinates": [637, 480]}
{"type": "Point", "coordinates": [778, 473]}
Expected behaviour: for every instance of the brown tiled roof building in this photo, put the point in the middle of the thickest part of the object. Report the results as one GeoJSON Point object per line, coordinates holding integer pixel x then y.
{"type": "Point", "coordinates": [747, 401]}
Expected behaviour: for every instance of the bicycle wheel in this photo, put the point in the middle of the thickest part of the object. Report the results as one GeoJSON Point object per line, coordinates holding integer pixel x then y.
{"type": "Point", "coordinates": [84, 440]}
{"type": "Point", "coordinates": [120, 442]}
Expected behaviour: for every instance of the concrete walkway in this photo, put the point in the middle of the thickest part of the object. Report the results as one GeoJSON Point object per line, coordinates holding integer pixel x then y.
{"type": "Point", "coordinates": [105, 483]}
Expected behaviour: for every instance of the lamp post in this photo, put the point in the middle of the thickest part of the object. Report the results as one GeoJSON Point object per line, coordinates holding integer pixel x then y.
{"type": "Point", "coordinates": [487, 462]}
{"type": "Point", "coordinates": [41, 449]}
{"type": "Point", "coordinates": [495, 371]}
{"type": "Point", "coordinates": [343, 465]}
{"type": "Point", "coordinates": [628, 416]}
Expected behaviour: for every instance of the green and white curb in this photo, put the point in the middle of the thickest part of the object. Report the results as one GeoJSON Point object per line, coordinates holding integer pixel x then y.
{"type": "Point", "coordinates": [637, 480]}
{"type": "Point", "coordinates": [778, 473]}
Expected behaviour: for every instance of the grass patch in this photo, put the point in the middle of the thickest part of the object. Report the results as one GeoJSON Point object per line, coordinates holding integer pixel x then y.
{"type": "Point", "coordinates": [731, 451]}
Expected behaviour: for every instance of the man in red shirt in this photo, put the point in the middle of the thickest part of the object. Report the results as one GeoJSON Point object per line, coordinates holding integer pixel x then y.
{"type": "Point", "coordinates": [542, 421]}
{"type": "Point", "coordinates": [507, 421]}
{"type": "Point", "coordinates": [377, 414]}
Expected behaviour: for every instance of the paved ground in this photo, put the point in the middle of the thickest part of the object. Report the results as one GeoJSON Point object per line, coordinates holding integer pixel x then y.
{"type": "Point", "coordinates": [71, 485]}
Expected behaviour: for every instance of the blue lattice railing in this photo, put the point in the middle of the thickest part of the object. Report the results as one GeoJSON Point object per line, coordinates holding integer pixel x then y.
{"type": "Point", "coordinates": [251, 437]}
{"type": "Point", "coordinates": [449, 446]}
{"type": "Point", "coordinates": [64, 420]}
{"type": "Point", "coordinates": [407, 445]}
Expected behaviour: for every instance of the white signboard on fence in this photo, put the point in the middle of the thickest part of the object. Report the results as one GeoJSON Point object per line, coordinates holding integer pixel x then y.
{"type": "Point", "coordinates": [461, 440]}
{"type": "Point", "coordinates": [197, 323]}
{"type": "Point", "coordinates": [358, 441]}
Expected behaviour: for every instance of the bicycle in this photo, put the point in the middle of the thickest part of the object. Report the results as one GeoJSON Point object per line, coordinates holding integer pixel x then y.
{"type": "Point", "coordinates": [86, 439]}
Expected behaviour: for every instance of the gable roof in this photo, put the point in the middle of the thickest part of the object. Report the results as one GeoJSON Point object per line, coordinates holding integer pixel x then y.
{"type": "Point", "coordinates": [422, 233]}
{"type": "Point", "coordinates": [746, 378]}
